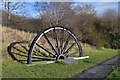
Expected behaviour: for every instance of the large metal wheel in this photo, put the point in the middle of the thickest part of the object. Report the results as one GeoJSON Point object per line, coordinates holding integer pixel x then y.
{"type": "Point", "coordinates": [54, 43]}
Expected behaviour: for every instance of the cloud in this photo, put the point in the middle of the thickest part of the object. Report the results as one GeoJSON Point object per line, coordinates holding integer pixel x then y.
{"type": "Point", "coordinates": [34, 15]}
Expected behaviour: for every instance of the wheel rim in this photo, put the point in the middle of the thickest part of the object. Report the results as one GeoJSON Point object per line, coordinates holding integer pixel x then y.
{"type": "Point", "coordinates": [60, 47]}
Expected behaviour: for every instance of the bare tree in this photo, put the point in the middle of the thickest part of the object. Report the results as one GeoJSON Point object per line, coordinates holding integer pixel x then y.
{"type": "Point", "coordinates": [85, 15]}
{"type": "Point", "coordinates": [110, 15]}
{"type": "Point", "coordinates": [85, 9]}
{"type": "Point", "coordinates": [110, 27]}
{"type": "Point", "coordinates": [13, 7]}
{"type": "Point", "coordinates": [53, 12]}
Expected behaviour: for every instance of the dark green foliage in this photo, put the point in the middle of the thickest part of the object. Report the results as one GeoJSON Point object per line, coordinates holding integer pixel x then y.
{"type": "Point", "coordinates": [109, 31]}
{"type": "Point", "coordinates": [115, 39]}
{"type": "Point", "coordinates": [106, 42]}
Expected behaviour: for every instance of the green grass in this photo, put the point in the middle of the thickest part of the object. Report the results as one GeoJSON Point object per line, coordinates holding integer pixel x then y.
{"type": "Point", "coordinates": [115, 73]}
{"type": "Point", "coordinates": [13, 69]}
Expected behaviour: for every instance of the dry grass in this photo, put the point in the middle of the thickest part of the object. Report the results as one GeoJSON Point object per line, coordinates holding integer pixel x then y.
{"type": "Point", "coordinates": [10, 35]}
{"type": "Point", "coordinates": [88, 49]}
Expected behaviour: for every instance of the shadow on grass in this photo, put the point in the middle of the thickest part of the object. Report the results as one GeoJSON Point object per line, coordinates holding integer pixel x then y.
{"type": "Point", "coordinates": [18, 51]}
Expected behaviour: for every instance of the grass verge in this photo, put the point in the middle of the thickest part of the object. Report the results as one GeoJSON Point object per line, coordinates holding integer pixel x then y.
{"type": "Point", "coordinates": [115, 74]}
{"type": "Point", "coordinates": [13, 69]}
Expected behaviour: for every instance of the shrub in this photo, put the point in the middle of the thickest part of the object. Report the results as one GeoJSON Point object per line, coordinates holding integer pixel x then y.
{"type": "Point", "coordinates": [94, 39]}
{"type": "Point", "coordinates": [115, 41]}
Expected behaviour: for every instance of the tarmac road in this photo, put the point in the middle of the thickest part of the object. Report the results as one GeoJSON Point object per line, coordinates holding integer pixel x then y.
{"type": "Point", "coordinates": [101, 70]}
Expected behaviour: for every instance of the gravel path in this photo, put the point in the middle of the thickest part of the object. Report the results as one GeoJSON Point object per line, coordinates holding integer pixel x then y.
{"type": "Point", "coordinates": [101, 70]}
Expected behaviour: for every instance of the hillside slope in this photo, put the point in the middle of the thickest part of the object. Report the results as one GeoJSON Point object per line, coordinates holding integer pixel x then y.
{"type": "Point", "coordinates": [10, 35]}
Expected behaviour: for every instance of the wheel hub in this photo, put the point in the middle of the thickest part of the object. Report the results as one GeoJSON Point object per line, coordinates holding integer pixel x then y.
{"type": "Point", "coordinates": [61, 56]}
{"type": "Point", "coordinates": [64, 41]}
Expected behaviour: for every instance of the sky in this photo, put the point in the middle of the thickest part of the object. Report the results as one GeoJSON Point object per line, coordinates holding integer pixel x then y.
{"type": "Point", "coordinates": [96, 0]}
{"type": "Point", "coordinates": [100, 7]}
{"type": "Point", "coordinates": [62, 0]}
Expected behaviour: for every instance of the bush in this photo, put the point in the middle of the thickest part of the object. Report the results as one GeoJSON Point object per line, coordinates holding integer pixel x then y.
{"type": "Point", "coordinates": [115, 41]}
{"type": "Point", "coordinates": [112, 41]}
{"type": "Point", "coordinates": [94, 39]}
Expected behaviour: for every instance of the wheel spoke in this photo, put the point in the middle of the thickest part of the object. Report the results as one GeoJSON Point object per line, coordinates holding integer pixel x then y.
{"type": "Point", "coordinates": [69, 48]}
{"type": "Point", "coordinates": [56, 40]}
{"type": "Point", "coordinates": [50, 44]}
{"type": "Point", "coordinates": [61, 40]}
{"type": "Point", "coordinates": [43, 57]}
{"type": "Point", "coordinates": [58, 49]}
{"type": "Point", "coordinates": [66, 44]}
{"type": "Point", "coordinates": [45, 49]}
{"type": "Point", "coordinates": [73, 53]}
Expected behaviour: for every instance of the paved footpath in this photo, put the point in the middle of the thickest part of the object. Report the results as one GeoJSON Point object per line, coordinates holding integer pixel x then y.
{"type": "Point", "coordinates": [100, 70]}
